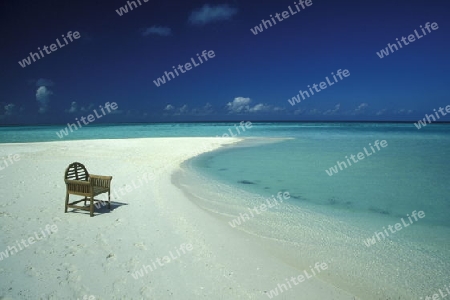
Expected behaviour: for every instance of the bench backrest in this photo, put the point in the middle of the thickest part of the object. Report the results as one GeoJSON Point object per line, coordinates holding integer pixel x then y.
{"type": "Point", "coordinates": [76, 171]}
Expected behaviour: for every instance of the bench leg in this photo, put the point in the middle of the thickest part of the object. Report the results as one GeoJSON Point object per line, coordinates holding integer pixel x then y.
{"type": "Point", "coordinates": [67, 202]}
{"type": "Point", "coordinates": [109, 200]}
{"type": "Point", "coordinates": [92, 207]}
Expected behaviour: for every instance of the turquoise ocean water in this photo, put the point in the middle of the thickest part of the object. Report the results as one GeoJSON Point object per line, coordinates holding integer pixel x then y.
{"type": "Point", "coordinates": [327, 218]}
{"type": "Point", "coordinates": [331, 218]}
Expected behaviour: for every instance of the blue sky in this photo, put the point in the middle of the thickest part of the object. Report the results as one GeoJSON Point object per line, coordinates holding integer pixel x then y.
{"type": "Point", "coordinates": [251, 77]}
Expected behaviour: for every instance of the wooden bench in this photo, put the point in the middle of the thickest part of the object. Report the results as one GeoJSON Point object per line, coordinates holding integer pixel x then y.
{"type": "Point", "coordinates": [80, 182]}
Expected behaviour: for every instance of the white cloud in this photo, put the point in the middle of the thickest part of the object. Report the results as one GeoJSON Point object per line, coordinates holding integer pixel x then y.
{"type": "Point", "coordinates": [207, 106]}
{"type": "Point", "coordinates": [89, 108]}
{"type": "Point", "coordinates": [43, 93]}
{"type": "Point", "coordinates": [333, 111]}
{"type": "Point", "coordinates": [239, 104]}
{"type": "Point", "coordinates": [9, 109]}
{"type": "Point", "coordinates": [207, 109]}
{"type": "Point", "coordinates": [208, 14]}
{"type": "Point", "coordinates": [381, 112]}
{"type": "Point", "coordinates": [169, 107]}
{"type": "Point", "coordinates": [158, 30]}
{"type": "Point", "coordinates": [314, 111]}
{"type": "Point", "coordinates": [183, 110]}
{"type": "Point", "coordinates": [242, 105]}
{"type": "Point", "coordinates": [404, 111]}
{"type": "Point", "coordinates": [73, 108]}
{"type": "Point", "coordinates": [43, 97]}
{"type": "Point", "coordinates": [360, 109]}
{"type": "Point", "coordinates": [259, 108]}
{"type": "Point", "coordinates": [203, 111]}
{"type": "Point", "coordinates": [299, 111]}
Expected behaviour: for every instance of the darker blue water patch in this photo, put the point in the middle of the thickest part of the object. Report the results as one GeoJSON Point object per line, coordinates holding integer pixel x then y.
{"type": "Point", "coordinates": [246, 182]}
{"type": "Point", "coordinates": [379, 211]}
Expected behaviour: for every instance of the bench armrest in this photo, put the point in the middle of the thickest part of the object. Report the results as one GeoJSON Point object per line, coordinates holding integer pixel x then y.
{"type": "Point", "coordinates": [101, 181]}
{"type": "Point", "coordinates": [78, 186]}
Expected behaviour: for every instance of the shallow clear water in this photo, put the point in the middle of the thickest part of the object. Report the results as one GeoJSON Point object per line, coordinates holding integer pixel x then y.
{"type": "Point", "coordinates": [410, 173]}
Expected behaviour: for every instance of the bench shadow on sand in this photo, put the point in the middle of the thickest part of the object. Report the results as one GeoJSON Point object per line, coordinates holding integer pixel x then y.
{"type": "Point", "coordinates": [100, 208]}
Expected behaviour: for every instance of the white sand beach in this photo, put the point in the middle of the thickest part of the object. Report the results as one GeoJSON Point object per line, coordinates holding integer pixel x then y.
{"type": "Point", "coordinates": [98, 257]}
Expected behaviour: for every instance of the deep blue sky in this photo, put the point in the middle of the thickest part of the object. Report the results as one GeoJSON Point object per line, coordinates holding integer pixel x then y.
{"type": "Point", "coordinates": [251, 77]}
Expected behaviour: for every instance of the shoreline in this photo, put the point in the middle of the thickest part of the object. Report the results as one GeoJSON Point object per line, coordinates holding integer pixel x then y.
{"type": "Point", "coordinates": [335, 237]}
{"type": "Point", "coordinates": [263, 253]}
{"type": "Point", "coordinates": [141, 227]}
